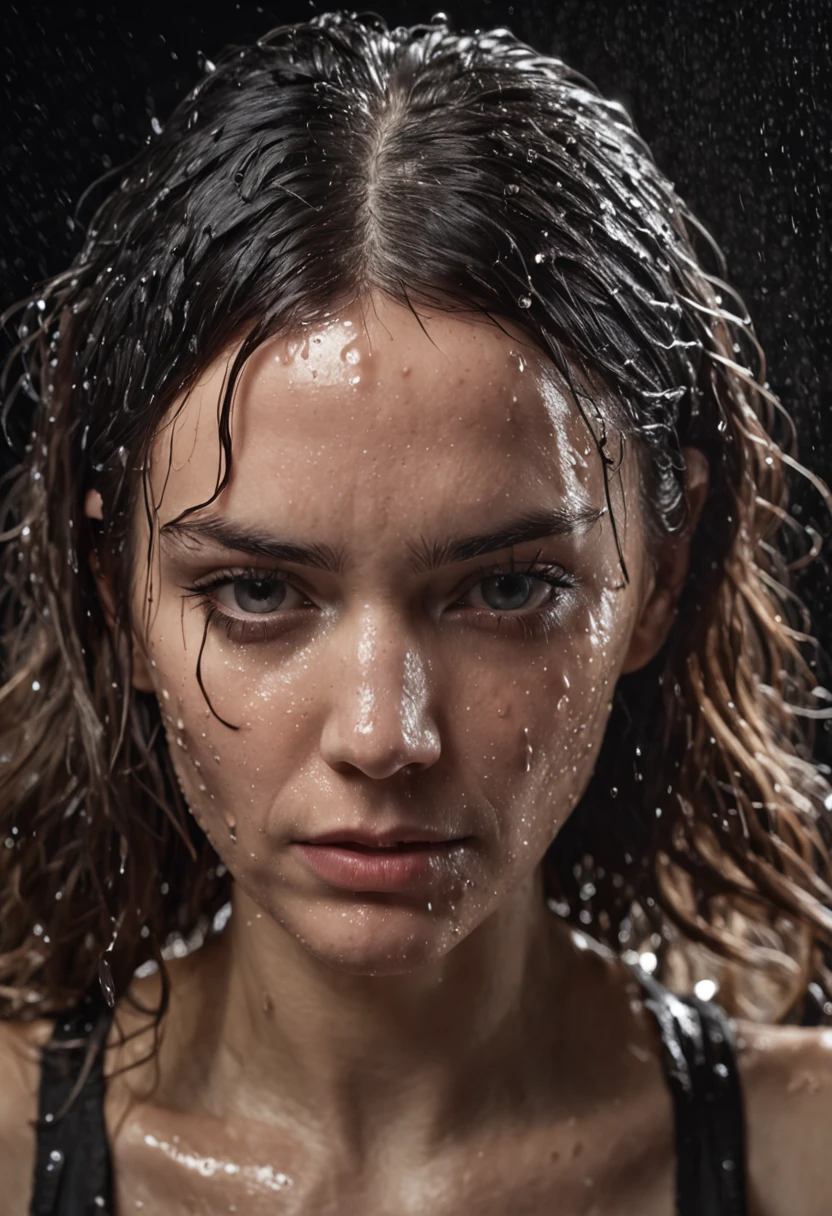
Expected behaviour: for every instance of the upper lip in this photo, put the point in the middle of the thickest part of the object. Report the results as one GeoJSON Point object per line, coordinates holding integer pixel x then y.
{"type": "Point", "coordinates": [382, 840]}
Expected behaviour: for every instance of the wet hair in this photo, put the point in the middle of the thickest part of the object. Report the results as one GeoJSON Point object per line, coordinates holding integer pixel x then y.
{"type": "Point", "coordinates": [470, 174]}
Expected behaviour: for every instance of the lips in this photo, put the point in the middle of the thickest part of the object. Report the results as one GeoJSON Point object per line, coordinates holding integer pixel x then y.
{"type": "Point", "coordinates": [397, 860]}
{"type": "Point", "coordinates": [391, 839]}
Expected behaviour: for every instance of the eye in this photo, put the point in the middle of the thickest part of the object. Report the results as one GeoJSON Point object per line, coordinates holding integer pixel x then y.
{"type": "Point", "coordinates": [250, 605]}
{"type": "Point", "coordinates": [257, 596]}
{"type": "Point", "coordinates": [525, 601]}
{"type": "Point", "coordinates": [511, 592]}
{"type": "Point", "coordinates": [533, 587]}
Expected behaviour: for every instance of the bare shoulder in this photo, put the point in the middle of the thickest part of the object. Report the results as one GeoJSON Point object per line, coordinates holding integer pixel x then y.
{"type": "Point", "coordinates": [786, 1074]}
{"type": "Point", "coordinates": [20, 1045]}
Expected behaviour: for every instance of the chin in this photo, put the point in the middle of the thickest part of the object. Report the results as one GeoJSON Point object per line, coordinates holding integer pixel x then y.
{"type": "Point", "coordinates": [375, 939]}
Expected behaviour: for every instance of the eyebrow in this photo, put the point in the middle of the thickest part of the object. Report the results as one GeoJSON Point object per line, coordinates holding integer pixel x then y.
{"type": "Point", "coordinates": [425, 555]}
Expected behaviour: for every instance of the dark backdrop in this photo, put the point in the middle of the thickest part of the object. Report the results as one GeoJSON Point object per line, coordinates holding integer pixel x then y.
{"type": "Point", "coordinates": [732, 95]}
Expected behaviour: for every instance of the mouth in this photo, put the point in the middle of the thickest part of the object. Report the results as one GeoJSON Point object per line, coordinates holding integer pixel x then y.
{"type": "Point", "coordinates": [397, 847]}
{"type": "Point", "coordinates": [395, 838]}
{"type": "Point", "coordinates": [394, 861]}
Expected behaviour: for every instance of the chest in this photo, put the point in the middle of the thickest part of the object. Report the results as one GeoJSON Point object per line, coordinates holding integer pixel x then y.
{"type": "Point", "coordinates": [605, 1167]}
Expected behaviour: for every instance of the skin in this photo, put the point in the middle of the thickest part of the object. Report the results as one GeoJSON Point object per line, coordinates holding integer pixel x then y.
{"type": "Point", "coordinates": [451, 1046]}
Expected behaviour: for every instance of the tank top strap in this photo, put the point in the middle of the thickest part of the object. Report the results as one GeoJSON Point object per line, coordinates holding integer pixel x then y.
{"type": "Point", "coordinates": [73, 1172]}
{"type": "Point", "coordinates": [698, 1057]}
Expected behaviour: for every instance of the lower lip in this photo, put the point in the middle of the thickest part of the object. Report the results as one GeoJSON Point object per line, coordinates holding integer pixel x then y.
{"type": "Point", "coordinates": [378, 869]}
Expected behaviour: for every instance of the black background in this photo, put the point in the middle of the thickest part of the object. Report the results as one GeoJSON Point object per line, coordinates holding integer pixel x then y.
{"type": "Point", "coordinates": [733, 97]}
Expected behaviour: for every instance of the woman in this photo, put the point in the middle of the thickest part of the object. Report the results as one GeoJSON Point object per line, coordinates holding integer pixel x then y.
{"type": "Point", "coordinates": [396, 557]}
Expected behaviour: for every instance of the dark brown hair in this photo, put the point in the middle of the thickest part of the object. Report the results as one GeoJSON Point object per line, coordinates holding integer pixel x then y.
{"type": "Point", "coordinates": [330, 159]}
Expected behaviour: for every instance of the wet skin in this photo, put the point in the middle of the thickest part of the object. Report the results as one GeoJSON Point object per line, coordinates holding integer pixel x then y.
{"type": "Point", "coordinates": [378, 694]}
{"type": "Point", "coordinates": [429, 1038]}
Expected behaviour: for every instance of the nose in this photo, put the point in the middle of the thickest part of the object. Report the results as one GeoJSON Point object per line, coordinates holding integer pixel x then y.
{"type": "Point", "coordinates": [379, 720]}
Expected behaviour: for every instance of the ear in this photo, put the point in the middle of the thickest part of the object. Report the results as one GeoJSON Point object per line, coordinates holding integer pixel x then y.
{"type": "Point", "coordinates": [665, 583]}
{"type": "Point", "coordinates": [94, 509]}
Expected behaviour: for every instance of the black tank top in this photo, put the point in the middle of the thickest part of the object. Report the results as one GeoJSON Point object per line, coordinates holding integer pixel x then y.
{"type": "Point", "coordinates": [73, 1171]}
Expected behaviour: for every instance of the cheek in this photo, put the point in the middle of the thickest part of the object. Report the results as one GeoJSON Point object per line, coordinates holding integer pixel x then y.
{"type": "Point", "coordinates": [230, 777]}
{"type": "Point", "coordinates": [528, 741]}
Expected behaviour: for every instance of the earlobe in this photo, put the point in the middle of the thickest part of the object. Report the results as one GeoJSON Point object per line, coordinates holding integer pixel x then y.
{"type": "Point", "coordinates": [651, 631]}
{"type": "Point", "coordinates": [141, 672]}
{"type": "Point", "coordinates": [660, 603]}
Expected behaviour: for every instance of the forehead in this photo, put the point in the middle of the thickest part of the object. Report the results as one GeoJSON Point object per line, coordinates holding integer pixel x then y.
{"type": "Point", "coordinates": [376, 407]}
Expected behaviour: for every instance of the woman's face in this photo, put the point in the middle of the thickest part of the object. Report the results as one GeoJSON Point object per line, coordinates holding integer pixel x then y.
{"type": "Point", "coordinates": [417, 621]}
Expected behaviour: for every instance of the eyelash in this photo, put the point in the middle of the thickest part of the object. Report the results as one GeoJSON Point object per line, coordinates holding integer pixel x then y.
{"type": "Point", "coordinates": [535, 623]}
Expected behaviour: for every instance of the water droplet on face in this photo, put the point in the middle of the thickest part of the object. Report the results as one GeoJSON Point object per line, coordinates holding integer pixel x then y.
{"type": "Point", "coordinates": [528, 751]}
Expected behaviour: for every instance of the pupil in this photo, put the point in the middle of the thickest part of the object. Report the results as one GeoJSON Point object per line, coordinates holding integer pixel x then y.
{"type": "Point", "coordinates": [258, 595]}
{"type": "Point", "coordinates": [505, 591]}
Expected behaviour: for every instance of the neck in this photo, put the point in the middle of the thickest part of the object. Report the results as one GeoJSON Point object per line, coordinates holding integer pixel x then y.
{"type": "Point", "coordinates": [342, 1049]}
